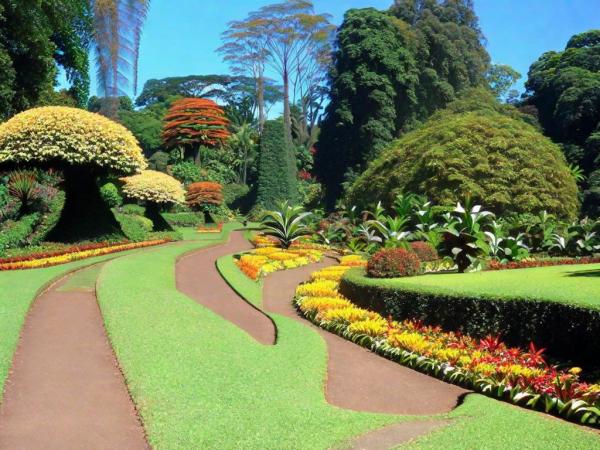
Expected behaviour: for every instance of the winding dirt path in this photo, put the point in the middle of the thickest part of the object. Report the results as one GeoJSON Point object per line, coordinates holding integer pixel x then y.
{"type": "Point", "coordinates": [197, 277]}
{"type": "Point", "coordinates": [65, 390]}
{"type": "Point", "coordinates": [352, 369]}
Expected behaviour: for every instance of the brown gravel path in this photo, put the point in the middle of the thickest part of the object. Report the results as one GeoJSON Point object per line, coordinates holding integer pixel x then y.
{"type": "Point", "coordinates": [357, 378]}
{"type": "Point", "coordinates": [198, 278]}
{"type": "Point", "coordinates": [65, 390]}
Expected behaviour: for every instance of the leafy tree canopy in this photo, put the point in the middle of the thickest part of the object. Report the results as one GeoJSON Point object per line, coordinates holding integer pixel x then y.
{"type": "Point", "coordinates": [488, 152]}
{"type": "Point", "coordinates": [34, 38]}
{"type": "Point", "coordinates": [565, 89]}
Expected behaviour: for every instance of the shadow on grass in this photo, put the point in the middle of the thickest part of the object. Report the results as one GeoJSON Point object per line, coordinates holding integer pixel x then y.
{"type": "Point", "coordinates": [585, 273]}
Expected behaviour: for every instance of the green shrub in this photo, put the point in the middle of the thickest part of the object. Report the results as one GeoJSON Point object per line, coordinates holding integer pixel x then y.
{"type": "Point", "coordinates": [183, 219]}
{"type": "Point", "coordinates": [16, 233]}
{"type": "Point", "coordinates": [49, 219]}
{"type": "Point", "coordinates": [132, 208]}
{"type": "Point", "coordinates": [135, 228]}
{"type": "Point", "coordinates": [159, 161]}
{"type": "Point", "coordinates": [111, 195]}
{"type": "Point", "coordinates": [187, 172]}
{"type": "Point", "coordinates": [234, 194]}
{"type": "Point", "coordinates": [500, 160]}
{"type": "Point", "coordinates": [393, 263]}
{"type": "Point", "coordinates": [276, 168]}
{"type": "Point", "coordinates": [569, 332]}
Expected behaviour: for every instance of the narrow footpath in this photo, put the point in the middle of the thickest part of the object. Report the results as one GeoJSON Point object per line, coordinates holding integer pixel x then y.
{"type": "Point", "coordinates": [65, 390]}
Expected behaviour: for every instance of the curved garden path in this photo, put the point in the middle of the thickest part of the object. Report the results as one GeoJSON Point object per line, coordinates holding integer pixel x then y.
{"type": "Point", "coordinates": [198, 278]}
{"type": "Point", "coordinates": [65, 389]}
{"type": "Point", "coordinates": [357, 379]}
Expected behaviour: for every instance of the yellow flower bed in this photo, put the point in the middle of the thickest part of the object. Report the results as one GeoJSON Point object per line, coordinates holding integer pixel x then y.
{"type": "Point", "coordinates": [265, 260]}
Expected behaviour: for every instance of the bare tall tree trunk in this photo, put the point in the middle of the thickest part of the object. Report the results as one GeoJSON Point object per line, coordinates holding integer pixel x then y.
{"type": "Point", "coordinates": [287, 113]}
{"type": "Point", "coordinates": [260, 98]}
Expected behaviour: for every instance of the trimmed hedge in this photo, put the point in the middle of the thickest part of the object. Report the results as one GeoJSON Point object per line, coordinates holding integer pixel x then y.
{"type": "Point", "coordinates": [15, 233]}
{"type": "Point", "coordinates": [568, 332]}
{"type": "Point", "coordinates": [183, 219]}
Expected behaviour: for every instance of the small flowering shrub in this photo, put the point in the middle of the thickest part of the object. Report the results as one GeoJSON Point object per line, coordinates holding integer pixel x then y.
{"type": "Point", "coordinates": [71, 135]}
{"type": "Point", "coordinates": [424, 251]}
{"type": "Point", "coordinates": [520, 376]}
{"type": "Point", "coordinates": [393, 263]}
{"type": "Point", "coordinates": [547, 262]}
{"type": "Point", "coordinates": [155, 187]}
{"type": "Point", "coordinates": [204, 193]}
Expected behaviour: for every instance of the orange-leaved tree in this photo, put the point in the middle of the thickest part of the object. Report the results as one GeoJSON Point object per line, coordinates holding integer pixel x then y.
{"type": "Point", "coordinates": [194, 122]}
{"type": "Point", "coordinates": [205, 196]}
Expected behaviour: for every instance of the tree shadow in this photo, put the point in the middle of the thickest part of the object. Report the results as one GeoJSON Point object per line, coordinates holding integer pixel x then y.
{"type": "Point", "coordinates": [585, 273]}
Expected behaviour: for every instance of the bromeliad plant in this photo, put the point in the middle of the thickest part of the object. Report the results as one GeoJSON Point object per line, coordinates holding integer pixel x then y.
{"type": "Point", "coordinates": [286, 224]}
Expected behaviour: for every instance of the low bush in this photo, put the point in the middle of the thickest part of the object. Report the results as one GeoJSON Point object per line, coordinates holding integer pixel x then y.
{"type": "Point", "coordinates": [135, 228]}
{"type": "Point", "coordinates": [49, 219]}
{"type": "Point", "coordinates": [183, 219]}
{"type": "Point", "coordinates": [132, 208]}
{"type": "Point", "coordinates": [424, 251]}
{"type": "Point", "coordinates": [569, 332]}
{"type": "Point", "coordinates": [393, 263]}
{"type": "Point", "coordinates": [16, 233]}
{"type": "Point", "coordinates": [110, 194]}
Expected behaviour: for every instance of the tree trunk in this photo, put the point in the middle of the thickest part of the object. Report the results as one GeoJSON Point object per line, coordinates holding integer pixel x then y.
{"type": "Point", "coordinates": [85, 215]}
{"type": "Point", "coordinates": [153, 213]}
{"type": "Point", "coordinates": [260, 98]}
{"type": "Point", "coordinates": [287, 113]}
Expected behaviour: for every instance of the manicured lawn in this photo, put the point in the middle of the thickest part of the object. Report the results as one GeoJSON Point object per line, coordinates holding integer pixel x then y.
{"type": "Point", "coordinates": [200, 382]}
{"type": "Point", "coordinates": [577, 284]}
{"type": "Point", "coordinates": [247, 288]}
{"type": "Point", "coordinates": [484, 423]}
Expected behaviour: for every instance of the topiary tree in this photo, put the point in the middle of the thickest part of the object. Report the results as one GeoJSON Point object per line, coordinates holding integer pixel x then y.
{"type": "Point", "coordinates": [155, 190]}
{"type": "Point", "coordinates": [490, 154]}
{"type": "Point", "coordinates": [195, 122]}
{"type": "Point", "coordinates": [276, 168]}
{"type": "Point", "coordinates": [205, 196]}
{"type": "Point", "coordinates": [84, 146]}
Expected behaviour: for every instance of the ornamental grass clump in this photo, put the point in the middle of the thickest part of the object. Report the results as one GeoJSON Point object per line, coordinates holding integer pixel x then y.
{"type": "Point", "coordinates": [393, 263]}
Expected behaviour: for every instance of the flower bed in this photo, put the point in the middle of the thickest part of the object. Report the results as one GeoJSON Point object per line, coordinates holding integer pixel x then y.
{"type": "Point", "coordinates": [487, 365]}
{"type": "Point", "coordinates": [266, 260]}
{"type": "Point", "coordinates": [72, 254]}
{"type": "Point", "coordinates": [547, 262]}
{"type": "Point", "coordinates": [208, 229]}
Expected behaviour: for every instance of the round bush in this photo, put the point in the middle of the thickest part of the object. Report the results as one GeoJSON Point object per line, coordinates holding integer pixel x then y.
{"type": "Point", "coordinates": [503, 162]}
{"type": "Point", "coordinates": [393, 263]}
{"type": "Point", "coordinates": [424, 251]}
{"type": "Point", "coordinates": [110, 194]}
{"type": "Point", "coordinates": [56, 134]}
{"type": "Point", "coordinates": [187, 172]}
{"type": "Point", "coordinates": [155, 187]}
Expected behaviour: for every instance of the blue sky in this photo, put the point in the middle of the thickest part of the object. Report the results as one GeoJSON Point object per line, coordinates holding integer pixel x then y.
{"type": "Point", "coordinates": [180, 37]}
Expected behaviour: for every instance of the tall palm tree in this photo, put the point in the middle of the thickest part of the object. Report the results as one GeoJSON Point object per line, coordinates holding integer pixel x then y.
{"type": "Point", "coordinates": [118, 28]}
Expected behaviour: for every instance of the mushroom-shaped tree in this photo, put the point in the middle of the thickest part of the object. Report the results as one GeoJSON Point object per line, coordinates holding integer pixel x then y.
{"type": "Point", "coordinates": [155, 190]}
{"type": "Point", "coordinates": [205, 196]}
{"type": "Point", "coordinates": [84, 146]}
{"type": "Point", "coordinates": [194, 122]}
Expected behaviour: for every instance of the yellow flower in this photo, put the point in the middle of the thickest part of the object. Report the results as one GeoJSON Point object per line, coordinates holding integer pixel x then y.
{"type": "Point", "coordinates": [413, 342]}
{"type": "Point", "coordinates": [154, 187]}
{"type": "Point", "coordinates": [325, 288]}
{"type": "Point", "coordinates": [346, 315]}
{"type": "Point", "coordinates": [371, 327]}
{"type": "Point", "coordinates": [575, 371]}
{"type": "Point", "coordinates": [319, 304]}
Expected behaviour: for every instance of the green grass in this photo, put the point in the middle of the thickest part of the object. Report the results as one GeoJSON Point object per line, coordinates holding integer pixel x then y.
{"type": "Point", "coordinates": [240, 283]}
{"type": "Point", "coordinates": [577, 284]}
{"type": "Point", "coordinates": [201, 382]}
{"type": "Point", "coordinates": [484, 423]}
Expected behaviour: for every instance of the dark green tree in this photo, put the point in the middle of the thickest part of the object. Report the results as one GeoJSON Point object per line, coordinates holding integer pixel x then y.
{"type": "Point", "coordinates": [565, 89]}
{"type": "Point", "coordinates": [372, 90]}
{"type": "Point", "coordinates": [450, 54]}
{"type": "Point", "coordinates": [276, 167]}
{"type": "Point", "coordinates": [35, 37]}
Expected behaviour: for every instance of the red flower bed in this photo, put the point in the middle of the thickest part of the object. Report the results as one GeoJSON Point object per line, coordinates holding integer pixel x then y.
{"type": "Point", "coordinates": [496, 265]}
{"type": "Point", "coordinates": [65, 251]}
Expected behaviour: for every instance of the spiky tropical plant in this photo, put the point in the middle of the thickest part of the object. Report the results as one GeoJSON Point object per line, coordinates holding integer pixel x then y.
{"type": "Point", "coordinates": [23, 186]}
{"type": "Point", "coordinates": [286, 224]}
